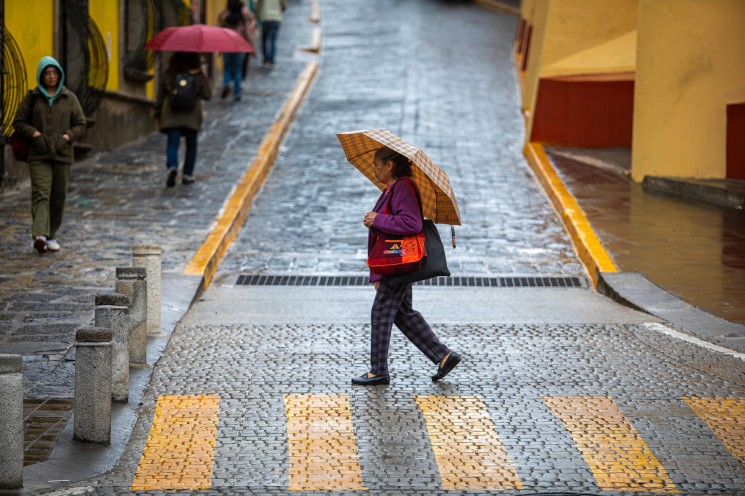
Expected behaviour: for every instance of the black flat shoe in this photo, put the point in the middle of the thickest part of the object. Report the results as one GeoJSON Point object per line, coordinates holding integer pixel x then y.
{"type": "Point", "coordinates": [376, 380]}
{"type": "Point", "coordinates": [450, 363]}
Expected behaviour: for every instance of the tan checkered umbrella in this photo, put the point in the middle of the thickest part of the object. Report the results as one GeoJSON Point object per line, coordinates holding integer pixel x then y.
{"type": "Point", "coordinates": [438, 199]}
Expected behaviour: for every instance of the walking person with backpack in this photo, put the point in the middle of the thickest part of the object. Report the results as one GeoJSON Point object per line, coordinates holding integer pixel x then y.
{"type": "Point", "coordinates": [181, 89]}
{"type": "Point", "coordinates": [240, 19]}
{"type": "Point", "coordinates": [51, 118]}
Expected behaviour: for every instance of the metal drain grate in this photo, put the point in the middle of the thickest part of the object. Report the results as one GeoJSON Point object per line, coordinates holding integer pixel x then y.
{"type": "Point", "coordinates": [493, 282]}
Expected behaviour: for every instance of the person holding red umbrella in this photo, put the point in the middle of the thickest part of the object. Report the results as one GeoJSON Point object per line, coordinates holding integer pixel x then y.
{"type": "Point", "coordinates": [181, 89]}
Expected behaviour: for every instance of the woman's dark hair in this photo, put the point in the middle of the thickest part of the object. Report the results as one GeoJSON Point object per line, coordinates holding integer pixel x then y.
{"type": "Point", "coordinates": [402, 165]}
{"type": "Point", "coordinates": [234, 4]}
{"type": "Point", "coordinates": [185, 61]}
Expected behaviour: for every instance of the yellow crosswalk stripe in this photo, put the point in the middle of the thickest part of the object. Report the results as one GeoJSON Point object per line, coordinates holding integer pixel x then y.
{"type": "Point", "coordinates": [468, 450]}
{"type": "Point", "coordinates": [619, 458]}
{"type": "Point", "coordinates": [180, 450]}
{"type": "Point", "coordinates": [726, 417]}
{"type": "Point", "coordinates": [323, 453]}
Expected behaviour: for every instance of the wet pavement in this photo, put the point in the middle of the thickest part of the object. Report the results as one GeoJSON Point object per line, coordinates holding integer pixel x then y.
{"type": "Point", "coordinates": [561, 390]}
{"type": "Point", "coordinates": [308, 218]}
{"type": "Point", "coordinates": [694, 250]}
{"type": "Point", "coordinates": [514, 375]}
{"type": "Point", "coordinates": [116, 200]}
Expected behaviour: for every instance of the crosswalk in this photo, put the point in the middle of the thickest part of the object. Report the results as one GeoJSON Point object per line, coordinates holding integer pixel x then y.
{"type": "Point", "coordinates": [470, 455]}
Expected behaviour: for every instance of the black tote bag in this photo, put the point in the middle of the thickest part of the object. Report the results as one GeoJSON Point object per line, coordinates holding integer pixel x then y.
{"type": "Point", "coordinates": [435, 263]}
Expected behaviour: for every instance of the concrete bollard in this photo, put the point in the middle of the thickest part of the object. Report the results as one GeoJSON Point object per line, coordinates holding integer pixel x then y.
{"type": "Point", "coordinates": [112, 313]}
{"type": "Point", "coordinates": [131, 282]}
{"type": "Point", "coordinates": [11, 421]}
{"type": "Point", "coordinates": [148, 256]}
{"type": "Point", "coordinates": [93, 385]}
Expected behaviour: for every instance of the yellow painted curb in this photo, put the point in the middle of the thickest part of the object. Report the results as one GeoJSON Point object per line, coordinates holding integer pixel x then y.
{"type": "Point", "coordinates": [315, 11]}
{"type": "Point", "coordinates": [315, 41]}
{"type": "Point", "coordinates": [586, 243]}
{"type": "Point", "coordinates": [495, 5]}
{"type": "Point", "coordinates": [235, 210]}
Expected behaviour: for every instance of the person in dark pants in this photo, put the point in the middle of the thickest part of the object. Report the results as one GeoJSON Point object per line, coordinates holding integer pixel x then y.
{"type": "Point", "coordinates": [51, 116]}
{"type": "Point", "coordinates": [184, 119]}
{"type": "Point", "coordinates": [393, 303]}
{"type": "Point", "coordinates": [270, 14]}
{"type": "Point", "coordinates": [240, 19]}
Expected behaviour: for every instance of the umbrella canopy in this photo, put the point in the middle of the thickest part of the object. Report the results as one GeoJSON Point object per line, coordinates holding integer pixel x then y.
{"type": "Point", "coordinates": [438, 198]}
{"type": "Point", "coordinates": [199, 38]}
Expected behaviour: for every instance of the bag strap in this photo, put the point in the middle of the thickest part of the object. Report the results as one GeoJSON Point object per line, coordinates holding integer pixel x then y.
{"type": "Point", "coordinates": [421, 210]}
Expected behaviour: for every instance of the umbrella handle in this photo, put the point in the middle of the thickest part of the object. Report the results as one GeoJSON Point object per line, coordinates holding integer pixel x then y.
{"type": "Point", "coordinates": [452, 235]}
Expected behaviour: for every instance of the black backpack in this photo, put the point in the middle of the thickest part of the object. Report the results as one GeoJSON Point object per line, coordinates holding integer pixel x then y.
{"type": "Point", "coordinates": [235, 17]}
{"type": "Point", "coordinates": [183, 94]}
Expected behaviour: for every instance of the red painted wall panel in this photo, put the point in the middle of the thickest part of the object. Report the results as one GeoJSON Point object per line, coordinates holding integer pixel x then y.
{"type": "Point", "coordinates": [592, 111]}
{"type": "Point", "coordinates": [736, 141]}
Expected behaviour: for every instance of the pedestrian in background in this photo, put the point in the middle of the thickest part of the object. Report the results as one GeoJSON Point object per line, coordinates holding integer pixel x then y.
{"type": "Point", "coordinates": [181, 89]}
{"type": "Point", "coordinates": [270, 15]}
{"type": "Point", "coordinates": [393, 303]}
{"type": "Point", "coordinates": [52, 118]}
{"type": "Point", "coordinates": [240, 19]}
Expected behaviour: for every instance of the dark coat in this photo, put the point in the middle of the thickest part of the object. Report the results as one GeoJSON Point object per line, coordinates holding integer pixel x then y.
{"type": "Point", "coordinates": [189, 119]}
{"type": "Point", "coordinates": [65, 115]}
{"type": "Point", "coordinates": [404, 217]}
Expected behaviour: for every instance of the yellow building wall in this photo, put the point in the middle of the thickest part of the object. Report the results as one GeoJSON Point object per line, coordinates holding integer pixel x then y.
{"type": "Point", "coordinates": [576, 26]}
{"type": "Point", "coordinates": [31, 22]}
{"type": "Point", "coordinates": [690, 64]}
{"type": "Point", "coordinates": [213, 9]}
{"type": "Point", "coordinates": [538, 20]}
{"type": "Point", "coordinates": [579, 37]}
{"type": "Point", "coordinates": [105, 13]}
{"type": "Point", "coordinates": [527, 7]}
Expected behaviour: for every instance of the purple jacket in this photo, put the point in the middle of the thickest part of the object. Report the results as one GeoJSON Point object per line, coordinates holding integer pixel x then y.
{"type": "Point", "coordinates": [404, 218]}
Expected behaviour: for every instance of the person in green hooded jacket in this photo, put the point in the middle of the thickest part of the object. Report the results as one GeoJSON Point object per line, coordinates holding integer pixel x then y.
{"type": "Point", "coordinates": [52, 118]}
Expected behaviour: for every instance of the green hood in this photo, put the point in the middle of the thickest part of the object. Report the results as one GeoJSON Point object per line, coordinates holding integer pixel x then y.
{"type": "Point", "coordinates": [43, 64]}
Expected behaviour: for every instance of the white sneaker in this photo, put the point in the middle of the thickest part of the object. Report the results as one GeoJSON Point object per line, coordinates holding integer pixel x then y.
{"type": "Point", "coordinates": [52, 245]}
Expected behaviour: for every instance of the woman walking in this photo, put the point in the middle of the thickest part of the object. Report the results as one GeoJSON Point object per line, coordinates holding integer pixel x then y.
{"type": "Point", "coordinates": [240, 19]}
{"type": "Point", "coordinates": [182, 88]}
{"type": "Point", "coordinates": [397, 212]}
{"type": "Point", "coordinates": [52, 118]}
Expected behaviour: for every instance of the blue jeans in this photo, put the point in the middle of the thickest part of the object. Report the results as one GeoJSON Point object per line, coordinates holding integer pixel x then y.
{"type": "Point", "coordinates": [269, 30]}
{"type": "Point", "coordinates": [233, 70]}
{"type": "Point", "coordinates": [174, 140]}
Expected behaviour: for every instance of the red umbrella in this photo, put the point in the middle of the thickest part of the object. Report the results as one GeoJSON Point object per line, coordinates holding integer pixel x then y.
{"type": "Point", "coordinates": [199, 38]}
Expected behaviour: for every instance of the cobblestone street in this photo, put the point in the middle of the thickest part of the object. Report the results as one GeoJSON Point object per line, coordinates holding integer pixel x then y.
{"type": "Point", "coordinates": [512, 372]}
{"type": "Point", "coordinates": [451, 92]}
{"type": "Point", "coordinates": [561, 390]}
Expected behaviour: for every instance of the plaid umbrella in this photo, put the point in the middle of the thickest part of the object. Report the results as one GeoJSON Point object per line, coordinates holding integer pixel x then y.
{"type": "Point", "coordinates": [438, 200]}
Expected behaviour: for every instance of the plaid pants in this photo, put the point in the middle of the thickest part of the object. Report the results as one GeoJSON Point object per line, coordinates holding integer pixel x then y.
{"type": "Point", "coordinates": [392, 305]}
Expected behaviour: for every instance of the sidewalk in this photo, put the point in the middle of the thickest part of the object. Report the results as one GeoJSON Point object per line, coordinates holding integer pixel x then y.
{"type": "Point", "coordinates": [692, 249]}
{"type": "Point", "coordinates": [116, 200]}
